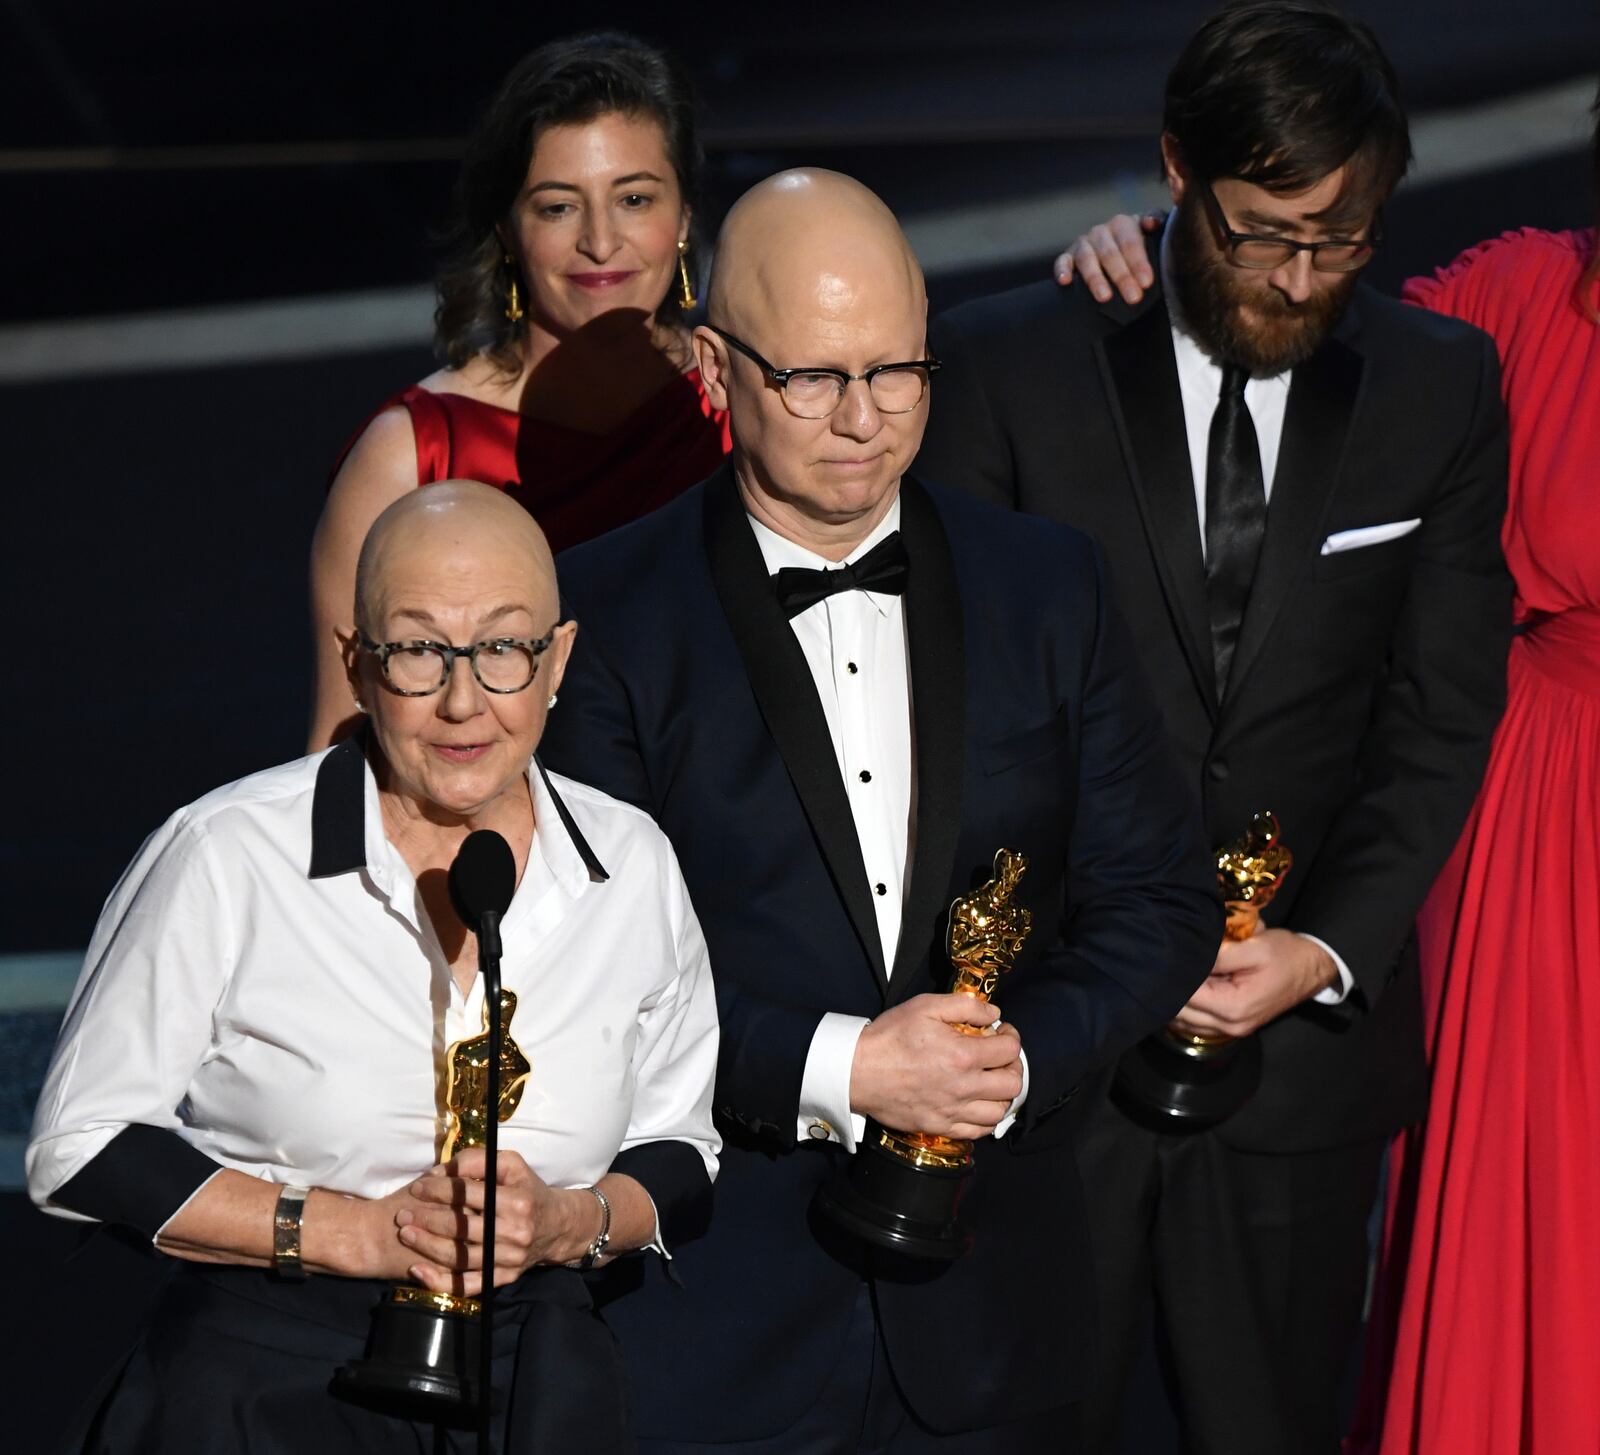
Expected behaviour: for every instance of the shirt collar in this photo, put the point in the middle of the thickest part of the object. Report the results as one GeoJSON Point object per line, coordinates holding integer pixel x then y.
{"type": "Point", "coordinates": [779, 551]}
{"type": "Point", "coordinates": [571, 860]}
{"type": "Point", "coordinates": [347, 827]}
{"type": "Point", "coordinates": [338, 809]}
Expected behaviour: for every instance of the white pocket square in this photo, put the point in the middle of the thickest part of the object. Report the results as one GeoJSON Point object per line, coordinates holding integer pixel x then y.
{"type": "Point", "coordinates": [1368, 535]}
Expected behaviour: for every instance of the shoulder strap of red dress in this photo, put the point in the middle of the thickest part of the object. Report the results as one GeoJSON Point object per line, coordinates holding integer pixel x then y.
{"type": "Point", "coordinates": [430, 424]}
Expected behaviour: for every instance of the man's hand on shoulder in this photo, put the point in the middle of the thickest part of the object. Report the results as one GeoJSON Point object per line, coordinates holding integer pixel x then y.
{"type": "Point", "coordinates": [1255, 981]}
{"type": "Point", "coordinates": [915, 1072]}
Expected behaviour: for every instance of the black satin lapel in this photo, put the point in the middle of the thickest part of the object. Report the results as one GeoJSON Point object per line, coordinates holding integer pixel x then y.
{"type": "Point", "coordinates": [787, 697]}
{"type": "Point", "coordinates": [938, 711]}
{"type": "Point", "coordinates": [1322, 402]}
{"type": "Point", "coordinates": [1144, 383]}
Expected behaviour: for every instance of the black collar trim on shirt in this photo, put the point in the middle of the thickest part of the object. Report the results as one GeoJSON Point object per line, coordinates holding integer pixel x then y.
{"type": "Point", "coordinates": [591, 861]}
{"type": "Point", "coordinates": [338, 814]}
{"type": "Point", "coordinates": [338, 810]}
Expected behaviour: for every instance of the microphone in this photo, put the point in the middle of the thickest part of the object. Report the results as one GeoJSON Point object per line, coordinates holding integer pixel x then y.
{"type": "Point", "coordinates": [482, 880]}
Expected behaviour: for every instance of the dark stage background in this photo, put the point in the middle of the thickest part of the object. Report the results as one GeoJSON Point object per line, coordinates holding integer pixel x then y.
{"type": "Point", "coordinates": [162, 157]}
{"type": "Point", "coordinates": [165, 167]}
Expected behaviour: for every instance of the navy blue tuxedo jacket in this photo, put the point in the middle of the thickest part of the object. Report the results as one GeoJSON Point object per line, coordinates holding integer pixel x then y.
{"type": "Point", "coordinates": [688, 695]}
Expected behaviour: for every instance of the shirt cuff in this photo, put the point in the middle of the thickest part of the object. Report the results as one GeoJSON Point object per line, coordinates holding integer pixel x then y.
{"type": "Point", "coordinates": [141, 1179]}
{"type": "Point", "coordinates": [657, 1243]}
{"type": "Point", "coordinates": [1016, 1102]}
{"type": "Point", "coordinates": [825, 1114]}
{"type": "Point", "coordinates": [1331, 994]}
{"type": "Point", "coordinates": [673, 1176]}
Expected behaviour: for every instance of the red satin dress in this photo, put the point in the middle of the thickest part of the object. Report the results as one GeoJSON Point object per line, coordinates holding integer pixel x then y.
{"type": "Point", "coordinates": [576, 485]}
{"type": "Point", "coordinates": [1492, 1271]}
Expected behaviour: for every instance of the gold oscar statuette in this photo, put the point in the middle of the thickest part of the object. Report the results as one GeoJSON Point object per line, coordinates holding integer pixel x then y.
{"type": "Point", "coordinates": [1183, 1082]}
{"type": "Point", "coordinates": [1250, 871]}
{"type": "Point", "coordinates": [902, 1189]}
{"type": "Point", "coordinates": [984, 939]}
{"type": "Point", "coordinates": [423, 1352]}
{"type": "Point", "coordinates": [466, 1088]}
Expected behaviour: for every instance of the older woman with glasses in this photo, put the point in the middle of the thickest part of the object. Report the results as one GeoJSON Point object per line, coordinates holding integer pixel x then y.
{"type": "Point", "coordinates": [253, 1072]}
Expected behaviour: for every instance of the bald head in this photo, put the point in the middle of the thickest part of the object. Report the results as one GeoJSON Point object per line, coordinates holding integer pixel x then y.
{"type": "Point", "coordinates": [811, 244]}
{"type": "Point", "coordinates": [462, 565]}
{"type": "Point", "coordinates": [455, 531]}
{"type": "Point", "coordinates": [813, 273]}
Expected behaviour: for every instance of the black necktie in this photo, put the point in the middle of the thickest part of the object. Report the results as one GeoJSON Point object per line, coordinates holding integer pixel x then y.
{"type": "Point", "coordinates": [1236, 517]}
{"type": "Point", "coordinates": [883, 568]}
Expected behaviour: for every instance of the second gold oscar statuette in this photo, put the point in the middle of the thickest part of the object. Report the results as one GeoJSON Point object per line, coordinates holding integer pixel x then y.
{"type": "Point", "coordinates": [901, 1191]}
{"type": "Point", "coordinates": [1178, 1082]}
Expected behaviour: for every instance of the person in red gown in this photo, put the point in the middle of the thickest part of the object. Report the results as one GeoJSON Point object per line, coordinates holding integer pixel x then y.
{"type": "Point", "coordinates": [1485, 1338]}
{"type": "Point", "coordinates": [568, 379]}
{"type": "Point", "coordinates": [1493, 1267]}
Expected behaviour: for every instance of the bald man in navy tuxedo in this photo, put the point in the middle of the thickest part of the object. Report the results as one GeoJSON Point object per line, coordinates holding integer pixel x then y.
{"type": "Point", "coordinates": [840, 692]}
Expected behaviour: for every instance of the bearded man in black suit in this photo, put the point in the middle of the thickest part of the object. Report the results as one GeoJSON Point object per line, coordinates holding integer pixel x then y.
{"type": "Point", "coordinates": [840, 692]}
{"type": "Point", "coordinates": [1298, 485]}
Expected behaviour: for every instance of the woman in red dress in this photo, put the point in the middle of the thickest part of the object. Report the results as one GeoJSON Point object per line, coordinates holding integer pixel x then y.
{"type": "Point", "coordinates": [1493, 1262]}
{"type": "Point", "coordinates": [568, 378]}
{"type": "Point", "coordinates": [1486, 1335]}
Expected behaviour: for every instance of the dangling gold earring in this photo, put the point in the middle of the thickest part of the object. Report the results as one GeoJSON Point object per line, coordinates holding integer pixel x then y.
{"type": "Point", "coordinates": [686, 298]}
{"type": "Point", "coordinates": [513, 299]}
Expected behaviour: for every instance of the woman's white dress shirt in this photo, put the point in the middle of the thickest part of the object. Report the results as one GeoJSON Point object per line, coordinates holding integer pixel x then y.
{"type": "Point", "coordinates": [265, 982]}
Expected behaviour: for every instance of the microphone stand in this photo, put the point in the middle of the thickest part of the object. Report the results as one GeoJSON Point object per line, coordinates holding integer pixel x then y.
{"type": "Point", "coordinates": [489, 968]}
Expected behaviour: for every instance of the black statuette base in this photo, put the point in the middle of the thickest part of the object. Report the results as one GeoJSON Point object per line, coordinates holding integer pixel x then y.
{"type": "Point", "coordinates": [421, 1364]}
{"type": "Point", "coordinates": [888, 1202]}
{"type": "Point", "coordinates": [1162, 1085]}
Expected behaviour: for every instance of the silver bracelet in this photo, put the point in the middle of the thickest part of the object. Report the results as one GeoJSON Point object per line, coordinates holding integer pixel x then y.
{"type": "Point", "coordinates": [286, 1218]}
{"type": "Point", "coordinates": [598, 1247]}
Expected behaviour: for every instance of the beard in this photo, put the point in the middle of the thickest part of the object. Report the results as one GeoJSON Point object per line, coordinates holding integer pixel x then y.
{"type": "Point", "coordinates": [1235, 314]}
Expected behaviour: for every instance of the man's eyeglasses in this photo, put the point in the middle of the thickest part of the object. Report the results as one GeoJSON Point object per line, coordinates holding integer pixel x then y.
{"type": "Point", "coordinates": [1248, 250]}
{"type": "Point", "coordinates": [816, 393]}
{"type": "Point", "coordinates": [421, 668]}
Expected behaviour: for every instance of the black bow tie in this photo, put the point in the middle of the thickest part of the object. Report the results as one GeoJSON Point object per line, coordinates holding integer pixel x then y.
{"type": "Point", "coordinates": [883, 568]}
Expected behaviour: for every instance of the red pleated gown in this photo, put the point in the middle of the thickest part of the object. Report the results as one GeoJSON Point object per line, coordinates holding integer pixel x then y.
{"type": "Point", "coordinates": [1491, 1283]}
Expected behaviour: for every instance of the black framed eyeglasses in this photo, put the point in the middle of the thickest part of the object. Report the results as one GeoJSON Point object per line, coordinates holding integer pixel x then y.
{"type": "Point", "coordinates": [814, 393]}
{"type": "Point", "coordinates": [421, 668]}
{"type": "Point", "coordinates": [1250, 250]}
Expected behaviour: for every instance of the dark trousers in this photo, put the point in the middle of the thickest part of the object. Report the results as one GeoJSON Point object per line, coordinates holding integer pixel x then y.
{"type": "Point", "coordinates": [233, 1361]}
{"type": "Point", "coordinates": [1257, 1264]}
{"type": "Point", "coordinates": [860, 1411]}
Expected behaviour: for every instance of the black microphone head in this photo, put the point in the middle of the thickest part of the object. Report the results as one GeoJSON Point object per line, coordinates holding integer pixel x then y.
{"type": "Point", "coordinates": [483, 877]}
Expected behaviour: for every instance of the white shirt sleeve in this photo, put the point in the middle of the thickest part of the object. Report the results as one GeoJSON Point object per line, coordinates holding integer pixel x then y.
{"type": "Point", "coordinates": [139, 1024]}
{"type": "Point", "coordinates": [675, 1054]}
{"type": "Point", "coordinates": [1016, 1105]}
{"type": "Point", "coordinates": [1333, 994]}
{"type": "Point", "coordinates": [825, 1114]}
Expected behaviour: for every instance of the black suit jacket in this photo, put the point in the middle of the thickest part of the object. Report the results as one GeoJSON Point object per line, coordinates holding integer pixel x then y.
{"type": "Point", "coordinates": [1366, 684]}
{"type": "Point", "coordinates": [1033, 729]}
